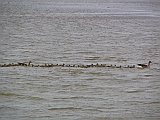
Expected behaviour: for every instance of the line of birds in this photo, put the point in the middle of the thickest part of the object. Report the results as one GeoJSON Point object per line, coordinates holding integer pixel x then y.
{"type": "Point", "coordinates": [81, 66]}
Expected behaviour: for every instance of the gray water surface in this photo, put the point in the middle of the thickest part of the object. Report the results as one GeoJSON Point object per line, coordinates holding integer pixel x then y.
{"type": "Point", "coordinates": [80, 32]}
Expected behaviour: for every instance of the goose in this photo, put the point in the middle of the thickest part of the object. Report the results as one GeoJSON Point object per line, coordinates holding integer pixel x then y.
{"type": "Point", "coordinates": [143, 65]}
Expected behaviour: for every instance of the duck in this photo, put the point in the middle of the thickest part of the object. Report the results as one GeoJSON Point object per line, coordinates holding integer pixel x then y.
{"type": "Point", "coordinates": [127, 66]}
{"type": "Point", "coordinates": [68, 65]}
{"type": "Point", "coordinates": [29, 63]}
{"type": "Point", "coordinates": [82, 66]}
{"type": "Point", "coordinates": [14, 64]}
{"type": "Point", "coordinates": [103, 65]}
{"type": "Point", "coordinates": [109, 65]}
{"type": "Point", "coordinates": [24, 64]}
{"type": "Point", "coordinates": [36, 65]}
{"type": "Point", "coordinates": [72, 65]}
{"type": "Point", "coordinates": [61, 65]}
{"type": "Point", "coordinates": [4, 65]}
{"type": "Point", "coordinates": [119, 66]}
{"type": "Point", "coordinates": [133, 66]}
{"type": "Point", "coordinates": [21, 64]}
{"type": "Point", "coordinates": [92, 65]}
{"type": "Point", "coordinates": [88, 65]}
{"type": "Point", "coordinates": [144, 66]}
{"type": "Point", "coordinates": [114, 66]}
{"type": "Point", "coordinates": [44, 65]}
{"type": "Point", "coordinates": [9, 65]}
{"type": "Point", "coordinates": [49, 65]}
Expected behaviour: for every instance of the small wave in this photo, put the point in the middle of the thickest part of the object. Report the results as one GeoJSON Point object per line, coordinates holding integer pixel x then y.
{"type": "Point", "coordinates": [121, 60]}
{"type": "Point", "coordinates": [65, 108]}
{"type": "Point", "coordinates": [81, 85]}
{"type": "Point", "coordinates": [87, 53]}
{"type": "Point", "coordinates": [156, 102]}
{"type": "Point", "coordinates": [134, 91]}
{"type": "Point", "coordinates": [43, 76]}
{"type": "Point", "coordinates": [3, 107]}
{"type": "Point", "coordinates": [34, 98]}
{"type": "Point", "coordinates": [91, 78]}
{"type": "Point", "coordinates": [92, 58]}
{"type": "Point", "coordinates": [107, 59]}
{"type": "Point", "coordinates": [96, 73]}
{"type": "Point", "coordinates": [148, 75]}
{"type": "Point", "coordinates": [73, 85]}
{"type": "Point", "coordinates": [8, 94]}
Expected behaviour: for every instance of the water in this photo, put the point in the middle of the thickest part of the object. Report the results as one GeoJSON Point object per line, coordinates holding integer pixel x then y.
{"type": "Point", "coordinates": [80, 32]}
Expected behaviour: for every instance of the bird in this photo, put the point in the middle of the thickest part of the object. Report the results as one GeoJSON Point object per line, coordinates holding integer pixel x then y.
{"type": "Point", "coordinates": [118, 66]}
{"type": "Point", "coordinates": [61, 65]}
{"type": "Point", "coordinates": [144, 66]}
{"type": "Point", "coordinates": [24, 64]}
{"type": "Point", "coordinates": [109, 65]}
{"type": "Point", "coordinates": [133, 66]}
{"type": "Point", "coordinates": [29, 63]}
{"type": "Point", "coordinates": [21, 64]}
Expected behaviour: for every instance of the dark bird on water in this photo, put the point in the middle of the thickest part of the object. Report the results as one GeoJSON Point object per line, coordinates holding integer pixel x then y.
{"type": "Point", "coordinates": [24, 64]}
{"type": "Point", "coordinates": [144, 66]}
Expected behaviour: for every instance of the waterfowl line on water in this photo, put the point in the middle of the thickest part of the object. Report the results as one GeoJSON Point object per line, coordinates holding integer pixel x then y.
{"type": "Point", "coordinates": [73, 65]}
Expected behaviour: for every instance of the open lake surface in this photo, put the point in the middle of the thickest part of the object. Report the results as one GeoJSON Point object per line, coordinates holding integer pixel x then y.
{"type": "Point", "coordinates": [118, 32]}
